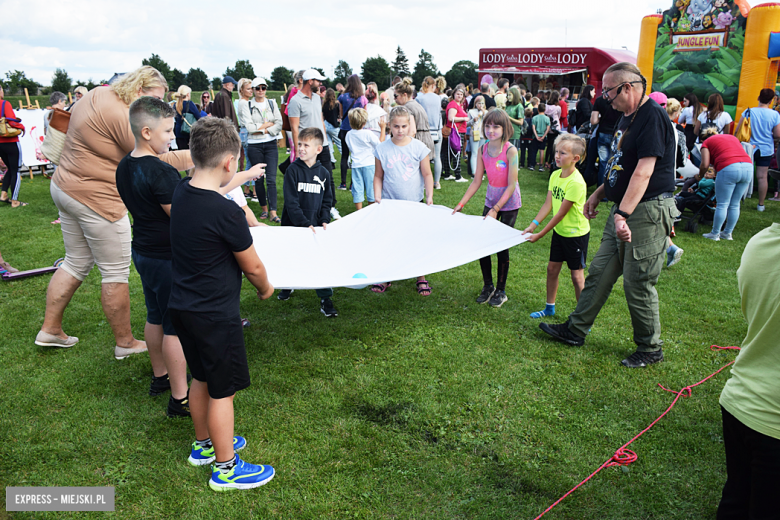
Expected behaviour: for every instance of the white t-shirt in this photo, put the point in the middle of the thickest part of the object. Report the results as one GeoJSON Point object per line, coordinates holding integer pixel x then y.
{"type": "Point", "coordinates": [686, 116]}
{"type": "Point", "coordinates": [362, 144]}
{"type": "Point", "coordinates": [267, 115]}
{"type": "Point", "coordinates": [375, 113]}
{"type": "Point", "coordinates": [403, 178]}
{"type": "Point", "coordinates": [237, 196]}
{"type": "Point", "coordinates": [722, 120]}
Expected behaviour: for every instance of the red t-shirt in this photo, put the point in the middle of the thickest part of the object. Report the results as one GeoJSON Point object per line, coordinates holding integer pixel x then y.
{"type": "Point", "coordinates": [8, 113]}
{"type": "Point", "coordinates": [460, 125]}
{"type": "Point", "coordinates": [564, 114]}
{"type": "Point", "coordinates": [725, 150]}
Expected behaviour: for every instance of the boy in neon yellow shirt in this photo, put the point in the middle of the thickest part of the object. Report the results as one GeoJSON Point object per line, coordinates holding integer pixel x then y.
{"type": "Point", "coordinates": [566, 197]}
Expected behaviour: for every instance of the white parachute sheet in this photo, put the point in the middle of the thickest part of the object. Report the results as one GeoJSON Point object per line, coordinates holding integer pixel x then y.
{"type": "Point", "coordinates": [394, 240]}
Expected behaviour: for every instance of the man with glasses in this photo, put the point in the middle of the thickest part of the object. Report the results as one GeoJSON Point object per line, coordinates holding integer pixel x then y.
{"type": "Point", "coordinates": [640, 182]}
{"type": "Point", "coordinates": [305, 111]}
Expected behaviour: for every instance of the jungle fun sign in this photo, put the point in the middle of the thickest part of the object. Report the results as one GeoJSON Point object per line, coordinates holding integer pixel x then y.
{"type": "Point", "coordinates": [699, 49]}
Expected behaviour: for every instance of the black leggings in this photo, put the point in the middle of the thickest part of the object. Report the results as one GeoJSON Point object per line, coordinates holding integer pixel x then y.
{"type": "Point", "coordinates": [344, 156]}
{"type": "Point", "coordinates": [485, 264]}
{"type": "Point", "coordinates": [9, 153]}
{"type": "Point", "coordinates": [267, 153]}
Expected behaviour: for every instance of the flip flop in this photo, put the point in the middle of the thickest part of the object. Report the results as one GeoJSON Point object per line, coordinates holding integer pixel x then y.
{"type": "Point", "coordinates": [381, 287]}
{"type": "Point", "coordinates": [6, 201]}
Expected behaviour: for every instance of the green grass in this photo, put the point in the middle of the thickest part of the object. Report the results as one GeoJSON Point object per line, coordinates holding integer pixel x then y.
{"type": "Point", "coordinates": [403, 407]}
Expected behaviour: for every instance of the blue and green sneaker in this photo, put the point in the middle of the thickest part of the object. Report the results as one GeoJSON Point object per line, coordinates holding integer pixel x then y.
{"type": "Point", "coordinates": [202, 456]}
{"type": "Point", "coordinates": [241, 476]}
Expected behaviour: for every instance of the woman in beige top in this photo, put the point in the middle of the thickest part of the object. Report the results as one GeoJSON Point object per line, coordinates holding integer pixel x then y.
{"type": "Point", "coordinates": [95, 226]}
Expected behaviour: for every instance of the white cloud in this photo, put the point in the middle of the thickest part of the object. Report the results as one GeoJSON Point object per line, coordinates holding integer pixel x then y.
{"type": "Point", "coordinates": [95, 38]}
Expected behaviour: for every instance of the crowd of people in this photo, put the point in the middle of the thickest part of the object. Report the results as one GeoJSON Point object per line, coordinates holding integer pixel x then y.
{"type": "Point", "coordinates": [399, 145]}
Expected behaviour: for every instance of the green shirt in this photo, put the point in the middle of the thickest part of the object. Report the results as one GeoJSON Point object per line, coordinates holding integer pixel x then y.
{"type": "Point", "coordinates": [516, 112]}
{"type": "Point", "coordinates": [541, 122]}
{"type": "Point", "coordinates": [752, 395]}
{"type": "Point", "coordinates": [705, 187]}
{"type": "Point", "coordinates": [572, 188]}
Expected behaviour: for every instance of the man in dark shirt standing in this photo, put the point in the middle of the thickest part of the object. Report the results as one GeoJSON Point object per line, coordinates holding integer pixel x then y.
{"type": "Point", "coordinates": [484, 91]}
{"type": "Point", "coordinates": [223, 102]}
{"type": "Point", "coordinates": [640, 182]}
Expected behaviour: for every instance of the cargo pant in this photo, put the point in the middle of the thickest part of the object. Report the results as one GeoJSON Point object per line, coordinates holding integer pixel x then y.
{"type": "Point", "coordinates": [640, 262]}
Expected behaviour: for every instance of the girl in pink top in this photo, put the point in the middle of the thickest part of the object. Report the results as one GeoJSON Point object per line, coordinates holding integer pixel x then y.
{"type": "Point", "coordinates": [497, 158]}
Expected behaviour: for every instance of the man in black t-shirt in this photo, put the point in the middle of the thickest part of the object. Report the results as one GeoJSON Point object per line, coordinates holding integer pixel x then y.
{"type": "Point", "coordinates": [484, 91]}
{"type": "Point", "coordinates": [640, 182]}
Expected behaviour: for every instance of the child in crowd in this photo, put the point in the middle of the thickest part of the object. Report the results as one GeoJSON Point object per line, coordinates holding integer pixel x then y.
{"type": "Point", "coordinates": [566, 197]}
{"type": "Point", "coordinates": [528, 137]}
{"type": "Point", "coordinates": [535, 105]}
{"type": "Point", "coordinates": [211, 246]}
{"type": "Point", "coordinates": [497, 158]}
{"type": "Point", "coordinates": [362, 143]}
{"type": "Point", "coordinates": [693, 199]}
{"type": "Point", "coordinates": [540, 126]}
{"type": "Point", "coordinates": [403, 170]}
{"type": "Point", "coordinates": [308, 199]}
{"type": "Point", "coordinates": [146, 185]}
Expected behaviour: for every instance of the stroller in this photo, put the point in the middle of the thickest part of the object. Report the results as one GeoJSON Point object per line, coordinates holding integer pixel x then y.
{"type": "Point", "coordinates": [703, 214]}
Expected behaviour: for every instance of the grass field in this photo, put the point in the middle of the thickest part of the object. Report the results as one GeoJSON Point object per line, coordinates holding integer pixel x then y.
{"type": "Point", "coordinates": [403, 407]}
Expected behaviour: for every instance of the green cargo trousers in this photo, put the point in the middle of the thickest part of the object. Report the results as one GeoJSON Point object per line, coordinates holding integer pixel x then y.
{"type": "Point", "coordinates": [640, 262]}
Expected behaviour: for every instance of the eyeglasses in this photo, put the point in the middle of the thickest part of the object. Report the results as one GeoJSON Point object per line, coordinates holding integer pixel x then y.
{"type": "Point", "coordinates": [395, 96]}
{"type": "Point", "coordinates": [619, 87]}
{"type": "Point", "coordinates": [261, 87]}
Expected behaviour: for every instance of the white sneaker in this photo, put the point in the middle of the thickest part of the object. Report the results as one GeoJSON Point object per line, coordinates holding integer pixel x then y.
{"type": "Point", "coordinates": [437, 186]}
{"type": "Point", "coordinates": [462, 179]}
{"type": "Point", "coordinates": [448, 178]}
{"type": "Point", "coordinates": [712, 236]}
{"type": "Point", "coordinates": [725, 236]}
{"type": "Point", "coordinates": [334, 213]}
{"type": "Point", "coordinates": [760, 207]}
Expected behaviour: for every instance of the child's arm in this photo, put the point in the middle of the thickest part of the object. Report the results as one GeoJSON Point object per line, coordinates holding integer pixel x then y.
{"type": "Point", "coordinates": [475, 183]}
{"type": "Point", "coordinates": [425, 168]}
{"type": "Point", "coordinates": [379, 176]}
{"type": "Point", "coordinates": [255, 272]}
{"type": "Point", "coordinates": [543, 212]}
{"type": "Point", "coordinates": [252, 174]}
{"type": "Point", "coordinates": [251, 219]}
{"type": "Point", "coordinates": [566, 205]}
{"type": "Point", "coordinates": [412, 127]}
{"type": "Point", "coordinates": [327, 201]}
{"type": "Point", "coordinates": [511, 154]}
{"type": "Point", "coordinates": [382, 129]}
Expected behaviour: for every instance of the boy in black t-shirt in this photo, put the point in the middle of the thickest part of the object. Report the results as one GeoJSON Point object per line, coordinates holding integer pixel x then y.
{"type": "Point", "coordinates": [211, 246]}
{"type": "Point", "coordinates": [307, 200]}
{"type": "Point", "coordinates": [146, 185]}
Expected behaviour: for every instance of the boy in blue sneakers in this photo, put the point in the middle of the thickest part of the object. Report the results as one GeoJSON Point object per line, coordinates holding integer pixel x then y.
{"type": "Point", "coordinates": [211, 246]}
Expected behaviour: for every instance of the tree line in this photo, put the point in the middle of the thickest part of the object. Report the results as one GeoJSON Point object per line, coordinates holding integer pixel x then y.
{"type": "Point", "coordinates": [376, 69]}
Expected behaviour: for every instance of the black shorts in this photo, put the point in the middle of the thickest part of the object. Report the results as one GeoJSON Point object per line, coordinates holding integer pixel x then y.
{"type": "Point", "coordinates": [156, 277]}
{"type": "Point", "coordinates": [214, 350]}
{"type": "Point", "coordinates": [572, 250]}
{"type": "Point", "coordinates": [505, 217]}
{"type": "Point", "coordinates": [761, 160]}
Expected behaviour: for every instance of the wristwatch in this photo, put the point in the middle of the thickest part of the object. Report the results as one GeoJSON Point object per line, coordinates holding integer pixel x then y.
{"type": "Point", "coordinates": [622, 213]}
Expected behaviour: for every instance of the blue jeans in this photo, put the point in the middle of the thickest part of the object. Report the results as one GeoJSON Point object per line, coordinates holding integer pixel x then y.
{"type": "Point", "coordinates": [333, 138]}
{"type": "Point", "coordinates": [605, 154]}
{"type": "Point", "coordinates": [362, 180]}
{"type": "Point", "coordinates": [244, 135]}
{"type": "Point", "coordinates": [730, 185]}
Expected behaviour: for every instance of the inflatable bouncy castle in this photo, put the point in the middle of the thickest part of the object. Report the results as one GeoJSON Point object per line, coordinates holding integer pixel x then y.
{"type": "Point", "coordinates": [707, 46]}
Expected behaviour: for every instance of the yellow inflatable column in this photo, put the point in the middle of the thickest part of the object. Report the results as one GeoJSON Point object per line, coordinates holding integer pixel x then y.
{"type": "Point", "coordinates": [647, 39]}
{"type": "Point", "coordinates": [762, 20]}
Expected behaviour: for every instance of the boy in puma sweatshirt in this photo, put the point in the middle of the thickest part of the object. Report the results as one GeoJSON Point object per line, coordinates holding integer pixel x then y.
{"type": "Point", "coordinates": [308, 199]}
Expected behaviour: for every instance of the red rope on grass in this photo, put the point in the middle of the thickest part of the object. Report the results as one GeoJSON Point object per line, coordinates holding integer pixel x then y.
{"type": "Point", "coordinates": [623, 456]}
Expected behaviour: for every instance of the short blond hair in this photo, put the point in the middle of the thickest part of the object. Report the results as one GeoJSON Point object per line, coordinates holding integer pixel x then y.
{"type": "Point", "coordinates": [672, 106]}
{"type": "Point", "coordinates": [241, 83]}
{"type": "Point", "coordinates": [358, 117]}
{"type": "Point", "coordinates": [143, 78]}
{"type": "Point", "coordinates": [575, 143]}
{"type": "Point", "coordinates": [81, 89]}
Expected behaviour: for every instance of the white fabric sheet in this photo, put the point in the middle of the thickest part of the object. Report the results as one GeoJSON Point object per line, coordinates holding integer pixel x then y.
{"type": "Point", "coordinates": [394, 240]}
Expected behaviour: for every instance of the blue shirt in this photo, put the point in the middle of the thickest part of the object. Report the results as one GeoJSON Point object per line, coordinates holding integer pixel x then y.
{"type": "Point", "coordinates": [347, 104]}
{"type": "Point", "coordinates": [762, 121]}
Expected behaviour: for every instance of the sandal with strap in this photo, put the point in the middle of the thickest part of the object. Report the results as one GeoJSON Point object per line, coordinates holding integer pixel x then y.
{"type": "Point", "coordinates": [264, 215]}
{"type": "Point", "coordinates": [276, 220]}
{"type": "Point", "coordinates": [423, 287]}
{"type": "Point", "coordinates": [380, 287]}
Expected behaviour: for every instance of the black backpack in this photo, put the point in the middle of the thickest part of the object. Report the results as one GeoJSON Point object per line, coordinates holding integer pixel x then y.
{"type": "Point", "coordinates": [709, 124]}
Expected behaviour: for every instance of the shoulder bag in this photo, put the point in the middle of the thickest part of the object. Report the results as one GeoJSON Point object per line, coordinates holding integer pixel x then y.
{"type": "Point", "coordinates": [187, 119]}
{"type": "Point", "coordinates": [54, 141]}
{"type": "Point", "coordinates": [6, 130]}
{"type": "Point", "coordinates": [745, 132]}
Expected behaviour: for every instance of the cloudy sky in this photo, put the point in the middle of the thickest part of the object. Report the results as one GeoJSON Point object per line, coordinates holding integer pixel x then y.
{"type": "Point", "coordinates": [95, 38]}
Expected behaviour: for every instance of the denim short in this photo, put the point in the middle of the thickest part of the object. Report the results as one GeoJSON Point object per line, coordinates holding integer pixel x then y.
{"type": "Point", "coordinates": [156, 280]}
